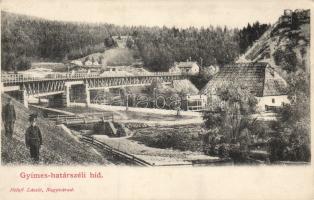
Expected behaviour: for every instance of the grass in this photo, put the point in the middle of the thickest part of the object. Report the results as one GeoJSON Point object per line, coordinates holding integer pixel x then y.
{"type": "Point", "coordinates": [128, 114]}
{"type": "Point", "coordinates": [119, 56]}
{"type": "Point", "coordinates": [58, 147]}
{"type": "Point", "coordinates": [115, 56]}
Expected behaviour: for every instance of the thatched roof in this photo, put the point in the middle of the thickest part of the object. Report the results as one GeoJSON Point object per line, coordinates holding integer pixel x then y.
{"type": "Point", "coordinates": [275, 87]}
{"type": "Point", "coordinates": [260, 79]}
{"type": "Point", "coordinates": [185, 86]}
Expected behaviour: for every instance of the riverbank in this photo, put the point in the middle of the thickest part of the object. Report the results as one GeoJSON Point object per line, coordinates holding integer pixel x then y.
{"type": "Point", "coordinates": [156, 156]}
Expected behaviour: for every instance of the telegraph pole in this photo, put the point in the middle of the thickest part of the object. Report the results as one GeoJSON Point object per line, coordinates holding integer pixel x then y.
{"type": "Point", "coordinates": [127, 102]}
{"type": "Point", "coordinates": [155, 97]}
{"type": "Point", "coordinates": [201, 67]}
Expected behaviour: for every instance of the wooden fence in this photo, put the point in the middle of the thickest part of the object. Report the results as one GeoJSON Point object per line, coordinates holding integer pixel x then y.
{"type": "Point", "coordinates": [117, 153]}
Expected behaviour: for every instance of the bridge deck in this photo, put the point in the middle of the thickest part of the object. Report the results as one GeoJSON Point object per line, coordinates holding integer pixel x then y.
{"type": "Point", "coordinates": [20, 78]}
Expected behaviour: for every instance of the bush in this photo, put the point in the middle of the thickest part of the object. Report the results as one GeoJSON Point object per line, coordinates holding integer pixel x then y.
{"type": "Point", "coordinates": [213, 120]}
{"type": "Point", "coordinates": [129, 43]}
{"type": "Point", "coordinates": [216, 146]}
{"type": "Point", "coordinates": [238, 155]}
{"type": "Point", "coordinates": [287, 59]}
{"type": "Point", "coordinates": [12, 62]}
{"type": "Point", "coordinates": [110, 42]}
{"type": "Point", "coordinates": [289, 145]}
{"type": "Point", "coordinates": [199, 80]}
{"type": "Point", "coordinates": [174, 138]}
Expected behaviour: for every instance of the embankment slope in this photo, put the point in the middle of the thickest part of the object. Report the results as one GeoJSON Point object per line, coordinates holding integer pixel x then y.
{"type": "Point", "coordinates": [58, 147]}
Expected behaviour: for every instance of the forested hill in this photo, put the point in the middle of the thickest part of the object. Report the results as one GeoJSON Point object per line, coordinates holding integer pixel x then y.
{"type": "Point", "coordinates": [26, 39]}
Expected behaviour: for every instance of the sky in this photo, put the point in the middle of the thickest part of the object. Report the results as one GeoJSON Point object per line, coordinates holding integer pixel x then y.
{"type": "Point", "coordinates": [179, 13]}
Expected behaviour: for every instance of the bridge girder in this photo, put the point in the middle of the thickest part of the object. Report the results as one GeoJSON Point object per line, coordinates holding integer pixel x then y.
{"type": "Point", "coordinates": [36, 88]}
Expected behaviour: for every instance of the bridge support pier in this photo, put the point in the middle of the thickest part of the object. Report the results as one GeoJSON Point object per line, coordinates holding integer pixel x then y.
{"type": "Point", "coordinates": [56, 100]}
{"type": "Point", "coordinates": [24, 98]}
{"type": "Point", "coordinates": [87, 95]}
{"type": "Point", "coordinates": [19, 95]}
{"type": "Point", "coordinates": [66, 96]}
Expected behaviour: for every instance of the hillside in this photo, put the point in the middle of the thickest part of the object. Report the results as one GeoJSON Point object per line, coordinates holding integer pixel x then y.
{"type": "Point", "coordinates": [286, 44]}
{"type": "Point", "coordinates": [27, 39]}
{"type": "Point", "coordinates": [58, 146]}
{"type": "Point", "coordinates": [113, 57]}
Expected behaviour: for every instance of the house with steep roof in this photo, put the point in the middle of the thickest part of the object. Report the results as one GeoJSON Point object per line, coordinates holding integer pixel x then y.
{"type": "Point", "coordinates": [269, 88]}
{"type": "Point", "coordinates": [77, 62]}
{"type": "Point", "coordinates": [188, 67]}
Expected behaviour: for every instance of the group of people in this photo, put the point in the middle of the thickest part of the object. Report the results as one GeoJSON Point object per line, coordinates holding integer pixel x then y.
{"type": "Point", "coordinates": [33, 137]}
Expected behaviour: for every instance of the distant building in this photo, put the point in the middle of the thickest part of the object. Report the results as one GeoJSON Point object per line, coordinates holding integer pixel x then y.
{"type": "Point", "coordinates": [77, 62]}
{"type": "Point", "coordinates": [174, 69]}
{"type": "Point", "coordinates": [262, 80]}
{"type": "Point", "coordinates": [88, 63]}
{"type": "Point", "coordinates": [298, 15]}
{"type": "Point", "coordinates": [211, 70]}
{"type": "Point", "coordinates": [195, 102]}
{"type": "Point", "coordinates": [112, 68]}
{"type": "Point", "coordinates": [285, 20]}
{"type": "Point", "coordinates": [189, 67]}
{"type": "Point", "coordinates": [95, 63]}
{"type": "Point", "coordinates": [121, 40]}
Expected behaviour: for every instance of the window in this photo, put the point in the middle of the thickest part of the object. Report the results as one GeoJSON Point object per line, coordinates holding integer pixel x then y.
{"type": "Point", "coordinates": [273, 100]}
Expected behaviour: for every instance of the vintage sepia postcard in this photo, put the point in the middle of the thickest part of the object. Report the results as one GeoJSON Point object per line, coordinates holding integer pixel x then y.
{"type": "Point", "coordinates": [160, 99]}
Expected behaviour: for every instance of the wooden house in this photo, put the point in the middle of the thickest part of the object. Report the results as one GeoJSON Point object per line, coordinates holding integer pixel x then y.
{"type": "Point", "coordinates": [188, 67]}
{"type": "Point", "coordinates": [269, 88]}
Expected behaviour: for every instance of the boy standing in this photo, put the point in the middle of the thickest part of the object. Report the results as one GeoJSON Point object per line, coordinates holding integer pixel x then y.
{"type": "Point", "coordinates": [33, 138]}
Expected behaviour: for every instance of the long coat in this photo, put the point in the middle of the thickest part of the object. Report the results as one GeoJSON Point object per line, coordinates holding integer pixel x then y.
{"type": "Point", "coordinates": [8, 113]}
{"type": "Point", "coordinates": [33, 136]}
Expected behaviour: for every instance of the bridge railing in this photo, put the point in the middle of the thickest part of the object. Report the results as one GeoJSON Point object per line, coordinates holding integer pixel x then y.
{"type": "Point", "coordinates": [14, 78]}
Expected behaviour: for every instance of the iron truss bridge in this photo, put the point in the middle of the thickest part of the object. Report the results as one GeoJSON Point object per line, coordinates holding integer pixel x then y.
{"type": "Point", "coordinates": [56, 83]}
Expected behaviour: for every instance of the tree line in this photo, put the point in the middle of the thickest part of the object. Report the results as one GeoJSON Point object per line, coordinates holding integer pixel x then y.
{"type": "Point", "coordinates": [26, 39]}
{"type": "Point", "coordinates": [249, 34]}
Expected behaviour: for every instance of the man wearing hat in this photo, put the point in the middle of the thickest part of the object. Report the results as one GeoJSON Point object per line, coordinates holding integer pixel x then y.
{"type": "Point", "coordinates": [33, 138]}
{"type": "Point", "coordinates": [8, 117]}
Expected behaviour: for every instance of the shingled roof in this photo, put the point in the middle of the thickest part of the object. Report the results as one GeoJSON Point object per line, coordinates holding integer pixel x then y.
{"type": "Point", "coordinates": [260, 79]}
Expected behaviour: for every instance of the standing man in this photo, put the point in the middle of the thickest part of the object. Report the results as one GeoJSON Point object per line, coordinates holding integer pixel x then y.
{"type": "Point", "coordinates": [33, 138]}
{"type": "Point", "coordinates": [8, 117]}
